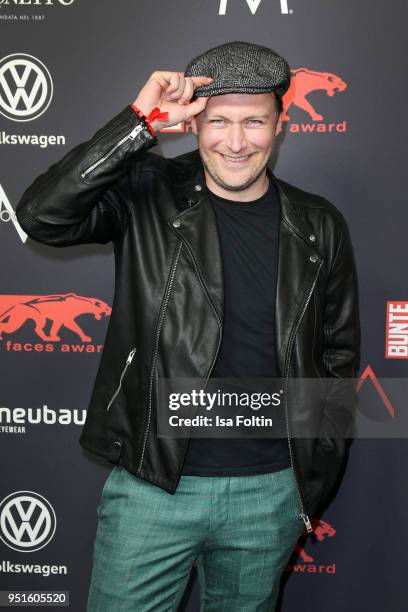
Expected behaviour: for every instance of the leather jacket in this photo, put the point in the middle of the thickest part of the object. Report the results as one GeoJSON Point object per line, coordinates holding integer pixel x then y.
{"type": "Point", "coordinates": [167, 312]}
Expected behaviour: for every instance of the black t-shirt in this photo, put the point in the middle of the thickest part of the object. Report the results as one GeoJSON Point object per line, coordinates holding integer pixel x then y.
{"type": "Point", "coordinates": [249, 246]}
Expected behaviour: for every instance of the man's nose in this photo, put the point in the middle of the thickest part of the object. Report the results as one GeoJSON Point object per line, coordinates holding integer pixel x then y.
{"type": "Point", "coordinates": [235, 137]}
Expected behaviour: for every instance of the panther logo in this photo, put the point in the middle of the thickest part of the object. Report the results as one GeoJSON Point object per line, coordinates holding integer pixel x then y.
{"type": "Point", "coordinates": [302, 83]}
{"type": "Point", "coordinates": [61, 309]}
{"type": "Point", "coordinates": [322, 530]}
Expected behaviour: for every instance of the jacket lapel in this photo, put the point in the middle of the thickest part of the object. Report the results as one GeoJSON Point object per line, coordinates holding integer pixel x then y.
{"type": "Point", "coordinates": [297, 273]}
{"type": "Point", "coordinates": [198, 230]}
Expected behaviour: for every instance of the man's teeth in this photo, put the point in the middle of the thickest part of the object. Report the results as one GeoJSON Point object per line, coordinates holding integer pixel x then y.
{"type": "Point", "coordinates": [242, 157]}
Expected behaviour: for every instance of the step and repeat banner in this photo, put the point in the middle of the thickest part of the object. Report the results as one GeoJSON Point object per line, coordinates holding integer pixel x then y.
{"type": "Point", "coordinates": [66, 68]}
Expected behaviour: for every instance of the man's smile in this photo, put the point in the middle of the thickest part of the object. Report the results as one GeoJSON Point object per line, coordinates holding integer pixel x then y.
{"type": "Point", "coordinates": [235, 160]}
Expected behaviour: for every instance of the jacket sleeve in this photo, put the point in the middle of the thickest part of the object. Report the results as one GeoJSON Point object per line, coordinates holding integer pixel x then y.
{"type": "Point", "coordinates": [83, 197]}
{"type": "Point", "coordinates": [341, 356]}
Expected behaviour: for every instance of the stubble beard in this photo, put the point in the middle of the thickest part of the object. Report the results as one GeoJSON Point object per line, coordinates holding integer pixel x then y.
{"type": "Point", "coordinates": [210, 168]}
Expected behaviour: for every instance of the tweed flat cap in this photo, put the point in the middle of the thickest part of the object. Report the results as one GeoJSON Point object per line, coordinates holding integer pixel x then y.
{"type": "Point", "coordinates": [240, 67]}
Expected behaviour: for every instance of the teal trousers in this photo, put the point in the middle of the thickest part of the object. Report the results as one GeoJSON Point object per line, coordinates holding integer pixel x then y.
{"type": "Point", "coordinates": [241, 530]}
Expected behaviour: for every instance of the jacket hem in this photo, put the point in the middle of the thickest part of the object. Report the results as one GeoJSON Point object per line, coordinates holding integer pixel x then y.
{"type": "Point", "coordinates": [123, 461]}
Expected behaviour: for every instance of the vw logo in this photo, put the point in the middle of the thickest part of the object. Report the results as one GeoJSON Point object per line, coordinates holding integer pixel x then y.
{"type": "Point", "coordinates": [27, 521]}
{"type": "Point", "coordinates": [25, 87]}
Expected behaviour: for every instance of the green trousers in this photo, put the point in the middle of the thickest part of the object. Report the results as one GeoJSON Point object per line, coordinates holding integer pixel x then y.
{"type": "Point", "coordinates": [240, 529]}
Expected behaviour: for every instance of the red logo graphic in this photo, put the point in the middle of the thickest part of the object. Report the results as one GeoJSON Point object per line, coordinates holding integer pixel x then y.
{"type": "Point", "coordinates": [61, 309]}
{"type": "Point", "coordinates": [396, 330]}
{"type": "Point", "coordinates": [304, 82]}
{"type": "Point", "coordinates": [322, 530]}
{"type": "Point", "coordinates": [369, 374]}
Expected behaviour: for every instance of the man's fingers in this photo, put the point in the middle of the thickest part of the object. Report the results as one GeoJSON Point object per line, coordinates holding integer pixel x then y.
{"type": "Point", "coordinates": [201, 80]}
{"type": "Point", "coordinates": [178, 92]}
{"type": "Point", "coordinates": [187, 85]}
{"type": "Point", "coordinates": [188, 92]}
{"type": "Point", "coordinates": [174, 80]}
{"type": "Point", "coordinates": [196, 107]}
{"type": "Point", "coordinates": [171, 82]}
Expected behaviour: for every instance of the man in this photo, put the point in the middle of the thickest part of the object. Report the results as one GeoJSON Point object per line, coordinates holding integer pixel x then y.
{"type": "Point", "coordinates": [222, 270]}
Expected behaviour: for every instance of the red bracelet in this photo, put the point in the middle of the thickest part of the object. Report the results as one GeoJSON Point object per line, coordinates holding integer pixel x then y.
{"type": "Point", "coordinates": [155, 113]}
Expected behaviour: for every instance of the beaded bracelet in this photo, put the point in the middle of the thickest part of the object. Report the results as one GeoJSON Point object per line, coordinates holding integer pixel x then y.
{"type": "Point", "coordinates": [155, 113]}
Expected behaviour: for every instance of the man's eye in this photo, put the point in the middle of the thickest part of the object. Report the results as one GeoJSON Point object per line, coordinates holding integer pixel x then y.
{"type": "Point", "coordinates": [220, 121]}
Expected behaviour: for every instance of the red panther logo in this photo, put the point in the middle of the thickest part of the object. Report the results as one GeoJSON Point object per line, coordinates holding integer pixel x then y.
{"type": "Point", "coordinates": [61, 309]}
{"type": "Point", "coordinates": [302, 83]}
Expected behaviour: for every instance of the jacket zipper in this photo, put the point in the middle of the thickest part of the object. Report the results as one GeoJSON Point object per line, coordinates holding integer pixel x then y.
{"type": "Point", "coordinates": [303, 515]}
{"type": "Point", "coordinates": [156, 347]}
{"type": "Point", "coordinates": [128, 361]}
{"type": "Point", "coordinates": [130, 136]}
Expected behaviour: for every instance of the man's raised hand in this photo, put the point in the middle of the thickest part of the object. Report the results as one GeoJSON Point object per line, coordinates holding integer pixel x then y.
{"type": "Point", "coordinates": [171, 92]}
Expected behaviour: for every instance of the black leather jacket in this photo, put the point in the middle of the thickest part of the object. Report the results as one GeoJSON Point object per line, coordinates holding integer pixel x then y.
{"type": "Point", "coordinates": [167, 313]}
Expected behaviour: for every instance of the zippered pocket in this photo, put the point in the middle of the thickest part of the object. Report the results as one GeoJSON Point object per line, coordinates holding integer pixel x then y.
{"type": "Point", "coordinates": [98, 162]}
{"type": "Point", "coordinates": [128, 361]}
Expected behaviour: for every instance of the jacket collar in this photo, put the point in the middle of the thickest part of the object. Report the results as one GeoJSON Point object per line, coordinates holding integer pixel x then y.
{"type": "Point", "coordinates": [197, 227]}
{"type": "Point", "coordinates": [188, 177]}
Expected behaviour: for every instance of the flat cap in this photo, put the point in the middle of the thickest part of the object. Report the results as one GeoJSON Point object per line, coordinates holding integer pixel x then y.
{"type": "Point", "coordinates": [240, 67]}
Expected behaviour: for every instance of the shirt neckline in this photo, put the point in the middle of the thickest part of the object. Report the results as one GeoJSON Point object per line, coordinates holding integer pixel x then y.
{"type": "Point", "coordinates": [248, 204]}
